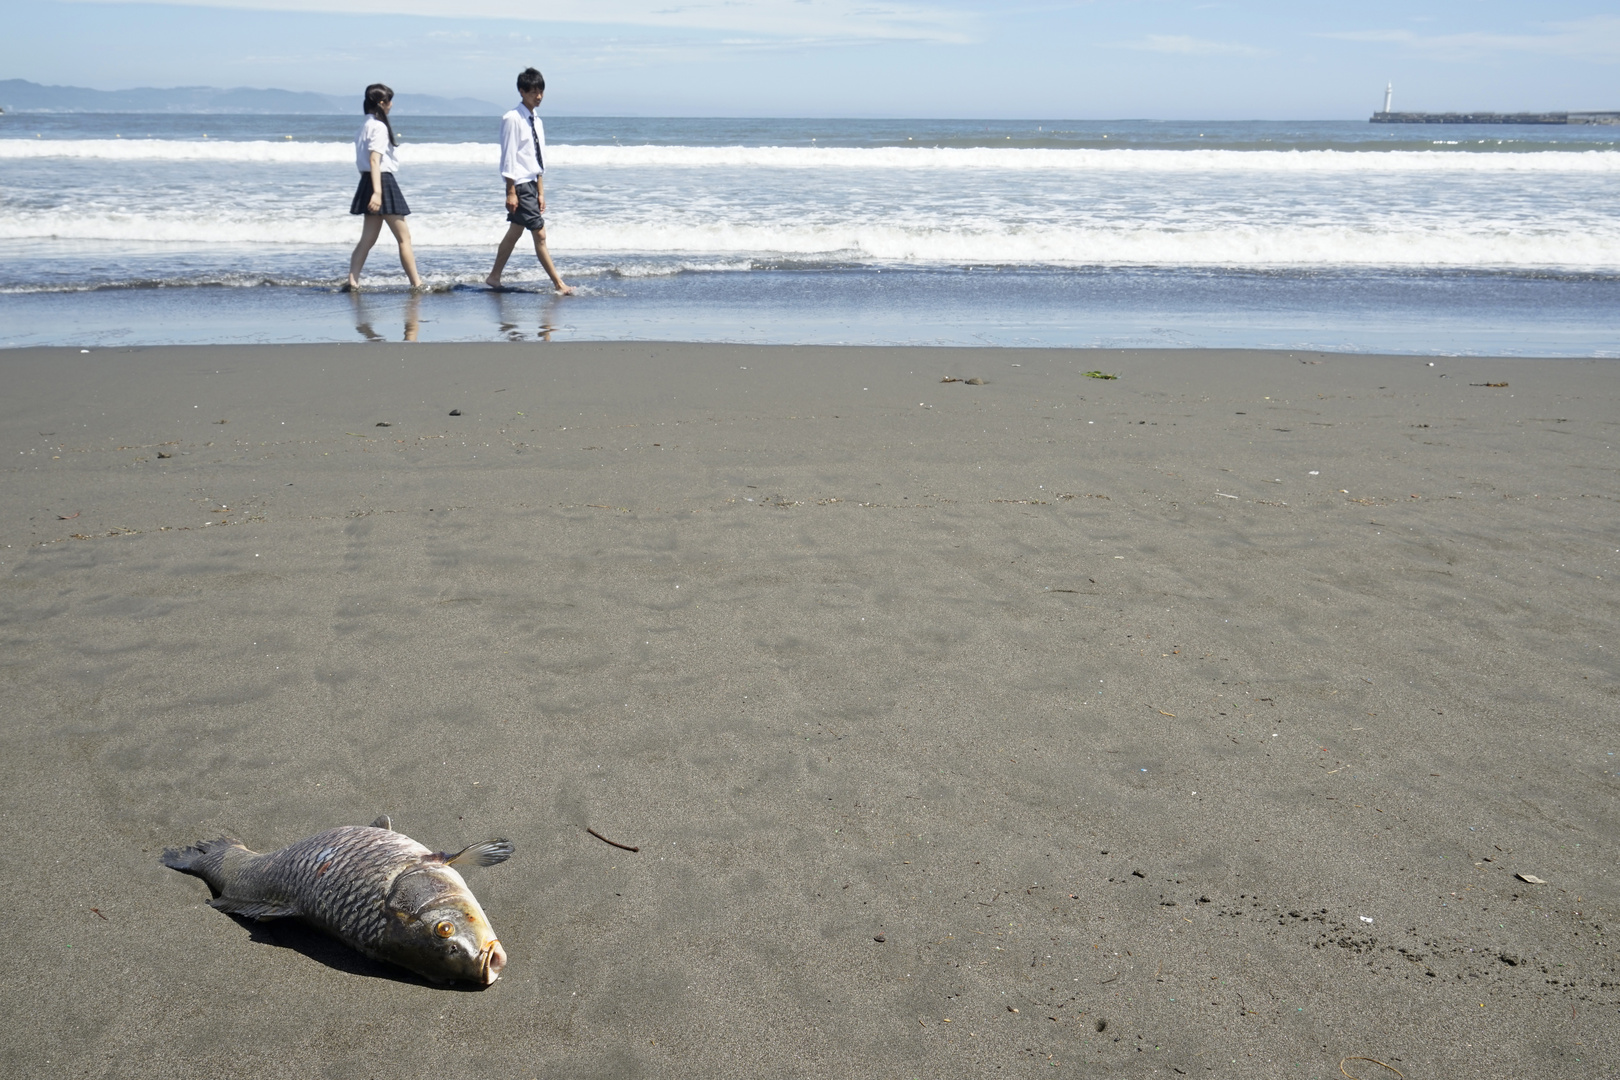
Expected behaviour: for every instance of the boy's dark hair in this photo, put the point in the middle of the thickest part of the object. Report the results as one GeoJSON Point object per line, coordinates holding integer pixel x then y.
{"type": "Point", "coordinates": [376, 94]}
{"type": "Point", "coordinates": [530, 79]}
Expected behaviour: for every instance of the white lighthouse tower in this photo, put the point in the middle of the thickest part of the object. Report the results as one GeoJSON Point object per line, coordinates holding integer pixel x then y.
{"type": "Point", "coordinates": [1389, 95]}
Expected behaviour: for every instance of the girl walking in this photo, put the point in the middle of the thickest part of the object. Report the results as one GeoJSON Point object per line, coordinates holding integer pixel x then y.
{"type": "Point", "coordinates": [378, 197]}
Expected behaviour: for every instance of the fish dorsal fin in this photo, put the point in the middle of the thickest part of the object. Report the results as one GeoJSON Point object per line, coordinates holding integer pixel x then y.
{"type": "Point", "coordinates": [383, 822]}
{"type": "Point", "coordinates": [262, 910]}
{"type": "Point", "coordinates": [485, 853]}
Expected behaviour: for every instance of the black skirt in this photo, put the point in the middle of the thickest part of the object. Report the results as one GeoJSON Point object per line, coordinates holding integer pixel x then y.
{"type": "Point", "coordinates": [393, 200]}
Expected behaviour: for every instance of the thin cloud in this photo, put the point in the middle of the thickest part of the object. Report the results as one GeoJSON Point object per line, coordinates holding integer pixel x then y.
{"type": "Point", "coordinates": [1191, 46]}
{"type": "Point", "coordinates": [840, 20]}
{"type": "Point", "coordinates": [1597, 37]}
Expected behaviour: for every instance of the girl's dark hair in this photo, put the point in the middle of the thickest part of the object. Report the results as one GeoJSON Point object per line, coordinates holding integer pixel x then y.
{"type": "Point", "coordinates": [376, 94]}
{"type": "Point", "coordinates": [530, 79]}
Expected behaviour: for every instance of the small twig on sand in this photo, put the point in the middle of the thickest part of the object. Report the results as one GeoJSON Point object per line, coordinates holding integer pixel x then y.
{"type": "Point", "coordinates": [1375, 1061]}
{"type": "Point", "coordinates": [605, 840]}
{"type": "Point", "coordinates": [98, 912]}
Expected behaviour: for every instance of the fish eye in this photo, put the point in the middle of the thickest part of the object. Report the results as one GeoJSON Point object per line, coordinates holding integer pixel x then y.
{"type": "Point", "coordinates": [445, 928]}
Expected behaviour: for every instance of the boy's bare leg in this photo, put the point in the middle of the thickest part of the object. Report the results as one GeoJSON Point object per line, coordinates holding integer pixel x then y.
{"type": "Point", "coordinates": [407, 257]}
{"type": "Point", "coordinates": [502, 253]}
{"type": "Point", "coordinates": [368, 236]}
{"type": "Point", "coordinates": [549, 266]}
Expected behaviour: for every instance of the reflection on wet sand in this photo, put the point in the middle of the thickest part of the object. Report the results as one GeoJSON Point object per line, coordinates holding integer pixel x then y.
{"type": "Point", "coordinates": [365, 310]}
{"type": "Point", "coordinates": [509, 315]}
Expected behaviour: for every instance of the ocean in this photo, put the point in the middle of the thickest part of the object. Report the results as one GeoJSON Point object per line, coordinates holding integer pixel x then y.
{"type": "Point", "coordinates": [1329, 236]}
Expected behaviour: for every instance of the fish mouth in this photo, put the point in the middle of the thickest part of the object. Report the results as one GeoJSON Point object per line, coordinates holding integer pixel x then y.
{"type": "Point", "coordinates": [491, 962]}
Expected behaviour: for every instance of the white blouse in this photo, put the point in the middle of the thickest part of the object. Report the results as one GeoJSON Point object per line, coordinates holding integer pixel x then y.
{"type": "Point", "coordinates": [373, 138]}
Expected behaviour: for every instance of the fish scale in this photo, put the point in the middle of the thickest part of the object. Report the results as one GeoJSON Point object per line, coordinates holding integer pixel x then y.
{"type": "Point", "coordinates": [346, 898]}
{"type": "Point", "coordinates": [370, 887]}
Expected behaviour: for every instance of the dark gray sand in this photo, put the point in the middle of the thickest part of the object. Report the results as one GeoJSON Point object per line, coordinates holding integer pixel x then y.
{"type": "Point", "coordinates": [1194, 723]}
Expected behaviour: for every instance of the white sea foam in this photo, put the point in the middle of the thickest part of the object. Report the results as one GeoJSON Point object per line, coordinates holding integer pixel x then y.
{"type": "Point", "coordinates": [979, 241]}
{"type": "Point", "coordinates": [245, 152]}
{"type": "Point", "coordinates": [1031, 160]}
{"type": "Point", "coordinates": [650, 210]}
{"type": "Point", "coordinates": [1302, 162]}
{"type": "Point", "coordinates": [999, 244]}
{"type": "Point", "coordinates": [329, 274]}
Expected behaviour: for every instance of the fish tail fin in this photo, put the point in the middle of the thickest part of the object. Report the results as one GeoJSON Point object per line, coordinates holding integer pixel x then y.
{"type": "Point", "coordinates": [204, 859]}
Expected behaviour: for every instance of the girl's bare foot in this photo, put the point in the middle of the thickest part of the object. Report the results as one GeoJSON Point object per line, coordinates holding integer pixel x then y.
{"type": "Point", "coordinates": [493, 281]}
{"type": "Point", "coordinates": [565, 290]}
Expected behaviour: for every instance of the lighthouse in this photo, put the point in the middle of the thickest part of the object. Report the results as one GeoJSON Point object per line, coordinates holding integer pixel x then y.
{"type": "Point", "coordinates": [1389, 95]}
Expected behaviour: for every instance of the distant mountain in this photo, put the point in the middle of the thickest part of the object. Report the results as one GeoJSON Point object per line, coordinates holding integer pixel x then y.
{"type": "Point", "coordinates": [20, 95]}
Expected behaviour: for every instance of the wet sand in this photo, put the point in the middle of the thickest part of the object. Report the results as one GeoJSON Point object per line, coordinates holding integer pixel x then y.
{"type": "Point", "coordinates": [1191, 723]}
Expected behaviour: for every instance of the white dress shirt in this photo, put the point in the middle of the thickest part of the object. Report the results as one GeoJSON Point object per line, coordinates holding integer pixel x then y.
{"type": "Point", "coordinates": [373, 138]}
{"type": "Point", "coordinates": [521, 160]}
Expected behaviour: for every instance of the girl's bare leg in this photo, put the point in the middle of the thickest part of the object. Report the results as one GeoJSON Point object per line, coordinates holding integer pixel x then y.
{"type": "Point", "coordinates": [407, 257]}
{"type": "Point", "coordinates": [550, 267]}
{"type": "Point", "coordinates": [502, 253]}
{"type": "Point", "coordinates": [368, 236]}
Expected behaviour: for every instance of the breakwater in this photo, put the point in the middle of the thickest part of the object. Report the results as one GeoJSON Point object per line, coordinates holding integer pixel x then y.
{"type": "Point", "coordinates": [1561, 118]}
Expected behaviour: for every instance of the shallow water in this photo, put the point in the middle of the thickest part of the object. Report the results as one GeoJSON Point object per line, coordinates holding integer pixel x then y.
{"type": "Point", "coordinates": [1340, 236]}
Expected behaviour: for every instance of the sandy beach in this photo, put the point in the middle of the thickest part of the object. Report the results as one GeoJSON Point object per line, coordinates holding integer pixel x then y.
{"type": "Point", "coordinates": [1200, 722]}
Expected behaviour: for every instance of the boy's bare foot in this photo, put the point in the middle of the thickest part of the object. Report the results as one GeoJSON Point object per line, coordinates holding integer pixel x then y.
{"type": "Point", "coordinates": [565, 290]}
{"type": "Point", "coordinates": [493, 281]}
{"type": "Point", "coordinates": [352, 286]}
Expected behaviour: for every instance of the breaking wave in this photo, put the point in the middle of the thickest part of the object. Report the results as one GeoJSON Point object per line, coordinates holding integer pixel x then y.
{"type": "Point", "coordinates": [720, 245]}
{"type": "Point", "coordinates": [1303, 162]}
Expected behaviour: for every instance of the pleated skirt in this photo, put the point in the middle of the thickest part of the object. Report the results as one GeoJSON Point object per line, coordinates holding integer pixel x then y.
{"type": "Point", "coordinates": [393, 200]}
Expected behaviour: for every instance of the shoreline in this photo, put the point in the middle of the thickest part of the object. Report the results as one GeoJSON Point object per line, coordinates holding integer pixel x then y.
{"type": "Point", "coordinates": [1345, 312]}
{"type": "Point", "coordinates": [1103, 702]}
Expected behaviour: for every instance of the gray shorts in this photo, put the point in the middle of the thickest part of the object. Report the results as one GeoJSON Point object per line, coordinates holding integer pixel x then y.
{"type": "Point", "coordinates": [528, 213]}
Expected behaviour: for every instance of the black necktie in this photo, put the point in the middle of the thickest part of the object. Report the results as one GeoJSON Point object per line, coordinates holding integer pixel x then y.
{"type": "Point", "coordinates": [538, 159]}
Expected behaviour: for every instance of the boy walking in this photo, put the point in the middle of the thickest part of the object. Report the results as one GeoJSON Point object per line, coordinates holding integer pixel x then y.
{"type": "Point", "coordinates": [523, 165]}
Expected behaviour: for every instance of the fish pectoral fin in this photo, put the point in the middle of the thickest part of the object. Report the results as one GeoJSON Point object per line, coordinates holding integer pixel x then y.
{"type": "Point", "coordinates": [262, 910]}
{"type": "Point", "coordinates": [383, 822]}
{"type": "Point", "coordinates": [484, 853]}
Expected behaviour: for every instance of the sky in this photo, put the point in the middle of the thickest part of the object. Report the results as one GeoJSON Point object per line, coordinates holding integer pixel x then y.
{"type": "Point", "coordinates": [1018, 59]}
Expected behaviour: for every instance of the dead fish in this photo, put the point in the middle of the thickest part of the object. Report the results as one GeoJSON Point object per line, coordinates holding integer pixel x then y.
{"type": "Point", "coordinates": [372, 888]}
